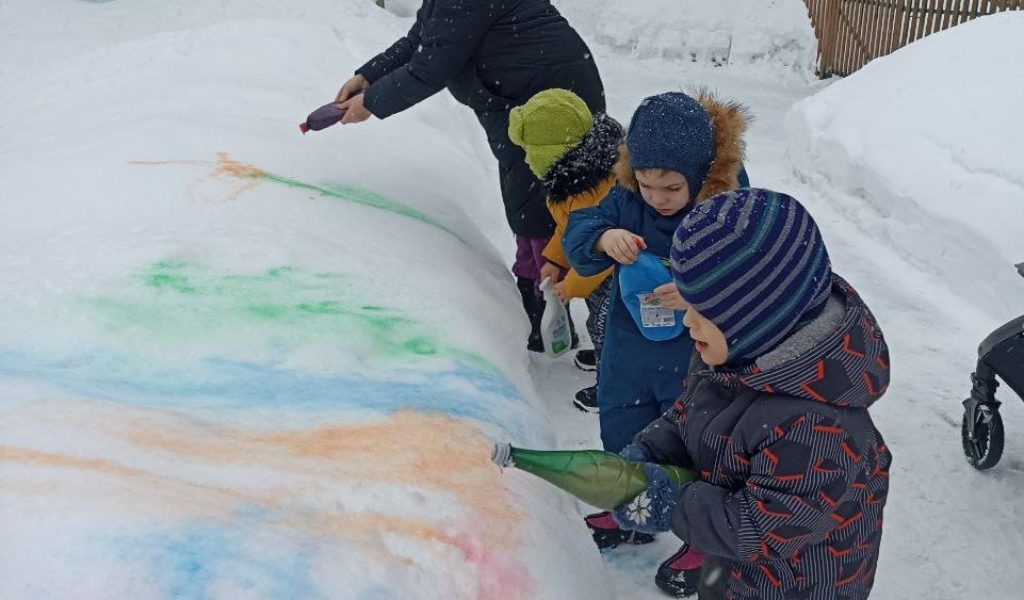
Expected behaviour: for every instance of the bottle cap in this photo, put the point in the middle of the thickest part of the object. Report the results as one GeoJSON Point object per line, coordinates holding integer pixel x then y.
{"type": "Point", "coordinates": [501, 454]}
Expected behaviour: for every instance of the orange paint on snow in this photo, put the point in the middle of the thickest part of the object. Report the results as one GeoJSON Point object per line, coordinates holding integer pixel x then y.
{"type": "Point", "coordinates": [296, 473]}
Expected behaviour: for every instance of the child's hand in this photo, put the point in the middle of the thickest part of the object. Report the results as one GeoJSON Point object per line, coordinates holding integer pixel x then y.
{"type": "Point", "coordinates": [559, 289]}
{"type": "Point", "coordinates": [669, 297]}
{"type": "Point", "coordinates": [651, 511]}
{"type": "Point", "coordinates": [621, 245]}
{"type": "Point", "coordinates": [550, 270]}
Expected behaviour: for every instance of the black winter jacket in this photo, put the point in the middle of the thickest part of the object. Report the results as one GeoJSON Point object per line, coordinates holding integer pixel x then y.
{"type": "Point", "coordinates": [793, 473]}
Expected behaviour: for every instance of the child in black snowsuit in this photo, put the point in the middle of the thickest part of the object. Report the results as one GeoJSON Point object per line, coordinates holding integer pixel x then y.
{"type": "Point", "coordinates": [793, 473]}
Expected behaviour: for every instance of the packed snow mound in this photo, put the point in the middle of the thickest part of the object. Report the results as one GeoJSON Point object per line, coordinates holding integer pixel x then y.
{"type": "Point", "coordinates": [766, 32]}
{"type": "Point", "coordinates": [239, 362]}
{"type": "Point", "coordinates": [930, 138]}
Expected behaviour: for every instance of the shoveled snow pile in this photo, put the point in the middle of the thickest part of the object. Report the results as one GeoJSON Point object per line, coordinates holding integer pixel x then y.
{"type": "Point", "coordinates": [767, 32]}
{"type": "Point", "coordinates": [930, 137]}
{"type": "Point", "coordinates": [736, 32]}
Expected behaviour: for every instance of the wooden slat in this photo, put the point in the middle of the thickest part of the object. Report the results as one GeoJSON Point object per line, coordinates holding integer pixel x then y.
{"type": "Point", "coordinates": [907, 33]}
{"type": "Point", "coordinates": [853, 45]}
{"type": "Point", "coordinates": [877, 29]}
{"type": "Point", "coordinates": [871, 33]}
{"type": "Point", "coordinates": [940, 16]}
{"type": "Point", "coordinates": [900, 25]}
{"type": "Point", "coordinates": [960, 10]}
{"type": "Point", "coordinates": [920, 20]}
{"type": "Point", "coordinates": [859, 38]}
{"type": "Point", "coordinates": [940, 7]}
{"type": "Point", "coordinates": [852, 54]}
{"type": "Point", "coordinates": [895, 21]}
{"type": "Point", "coordinates": [839, 51]}
{"type": "Point", "coordinates": [828, 26]}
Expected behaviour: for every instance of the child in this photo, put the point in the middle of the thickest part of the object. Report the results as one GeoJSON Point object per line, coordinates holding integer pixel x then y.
{"type": "Point", "coordinates": [793, 473]}
{"type": "Point", "coordinates": [678, 152]}
{"type": "Point", "coordinates": [573, 152]}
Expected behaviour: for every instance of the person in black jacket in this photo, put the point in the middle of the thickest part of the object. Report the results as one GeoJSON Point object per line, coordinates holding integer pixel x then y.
{"type": "Point", "coordinates": [492, 55]}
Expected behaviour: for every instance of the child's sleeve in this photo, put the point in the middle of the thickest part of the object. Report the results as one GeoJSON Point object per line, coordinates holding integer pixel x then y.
{"type": "Point", "coordinates": [662, 441]}
{"type": "Point", "coordinates": [585, 227]}
{"type": "Point", "coordinates": [578, 286]}
{"type": "Point", "coordinates": [553, 250]}
{"type": "Point", "coordinates": [794, 495]}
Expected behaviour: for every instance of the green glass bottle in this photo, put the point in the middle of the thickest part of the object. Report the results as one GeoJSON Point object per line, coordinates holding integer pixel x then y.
{"type": "Point", "coordinates": [599, 478]}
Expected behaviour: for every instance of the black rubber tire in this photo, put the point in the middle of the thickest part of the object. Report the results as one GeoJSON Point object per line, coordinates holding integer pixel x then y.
{"type": "Point", "coordinates": [988, 448]}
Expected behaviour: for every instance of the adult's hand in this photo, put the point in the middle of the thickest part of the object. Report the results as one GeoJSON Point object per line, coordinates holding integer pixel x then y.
{"type": "Point", "coordinates": [353, 86]}
{"type": "Point", "coordinates": [355, 112]}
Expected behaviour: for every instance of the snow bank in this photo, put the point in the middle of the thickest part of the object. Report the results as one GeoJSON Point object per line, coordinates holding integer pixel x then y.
{"type": "Point", "coordinates": [240, 362]}
{"type": "Point", "coordinates": [930, 138]}
{"type": "Point", "coordinates": [737, 32]}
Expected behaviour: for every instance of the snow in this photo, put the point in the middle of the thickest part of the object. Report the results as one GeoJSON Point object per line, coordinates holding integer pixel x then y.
{"type": "Point", "coordinates": [770, 33]}
{"type": "Point", "coordinates": [774, 34]}
{"type": "Point", "coordinates": [238, 362]}
{"type": "Point", "coordinates": [931, 141]}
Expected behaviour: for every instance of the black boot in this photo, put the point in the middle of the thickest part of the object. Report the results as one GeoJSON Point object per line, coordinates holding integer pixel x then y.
{"type": "Point", "coordinates": [679, 575]}
{"type": "Point", "coordinates": [586, 399]}
{"type": "Point", "coordinates": [534, 307]}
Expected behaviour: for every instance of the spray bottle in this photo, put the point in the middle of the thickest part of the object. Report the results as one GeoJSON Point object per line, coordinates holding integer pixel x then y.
{"type": "Point", "coordinates": [554, 323]}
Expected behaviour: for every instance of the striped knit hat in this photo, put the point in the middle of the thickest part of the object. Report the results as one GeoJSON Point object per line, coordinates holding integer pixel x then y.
{"type": "Point", "coordinates": [753, 262]}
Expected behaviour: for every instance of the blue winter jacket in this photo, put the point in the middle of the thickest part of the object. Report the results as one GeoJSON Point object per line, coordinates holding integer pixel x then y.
{"type": "Point", "coordinates": [624, 209]}
{"type": "Point", "coordinates": [624, 343]}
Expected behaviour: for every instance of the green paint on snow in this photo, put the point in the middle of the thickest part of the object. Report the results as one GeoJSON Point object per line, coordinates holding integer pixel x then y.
{"type": "Point", "coordinates": [360, 196]}
{"type": "Point", "coordinates": [175, 303]}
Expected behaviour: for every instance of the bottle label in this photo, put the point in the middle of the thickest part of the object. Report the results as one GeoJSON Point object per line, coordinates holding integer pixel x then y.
{"type": "Point", "coordinates": [652, 314]}
{"type": "Point", "coordinates": [560, 336]}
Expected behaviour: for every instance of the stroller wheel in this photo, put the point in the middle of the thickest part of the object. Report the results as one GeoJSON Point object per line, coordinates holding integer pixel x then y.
{"type": "Point", "coordinates": [985, 450]}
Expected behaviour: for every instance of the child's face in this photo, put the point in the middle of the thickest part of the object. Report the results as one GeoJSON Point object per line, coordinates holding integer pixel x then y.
{"type": "Point", "coordinates": [666, 191]}
{"type": "Point", "coordinates": [708, 339]}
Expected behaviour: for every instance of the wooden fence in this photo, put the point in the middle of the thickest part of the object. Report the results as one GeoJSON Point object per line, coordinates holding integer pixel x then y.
{"type": "Point", "coordinates": [853, 32]}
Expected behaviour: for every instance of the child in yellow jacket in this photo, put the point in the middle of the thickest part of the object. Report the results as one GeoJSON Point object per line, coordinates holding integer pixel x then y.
{"type": "Point", "coordinates": [573, 152]}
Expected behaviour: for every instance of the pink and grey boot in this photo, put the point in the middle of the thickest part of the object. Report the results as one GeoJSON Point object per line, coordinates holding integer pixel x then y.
{"type": "Point", "coordinates": [607, 533]}
{"type": "Point", "coordinates": [679, 575]}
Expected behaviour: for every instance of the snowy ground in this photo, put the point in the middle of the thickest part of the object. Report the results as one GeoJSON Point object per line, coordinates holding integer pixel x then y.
{"type": "Point", "coordinates": [236, 362]}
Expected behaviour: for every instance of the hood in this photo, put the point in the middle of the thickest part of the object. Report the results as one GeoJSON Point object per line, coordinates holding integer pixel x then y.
{"type": "Point", "coordinates": [838, 358]}
{"type": "Point", "coordinates": [587, 164]}
{"type": "Point", "coordinates": [729, 121]}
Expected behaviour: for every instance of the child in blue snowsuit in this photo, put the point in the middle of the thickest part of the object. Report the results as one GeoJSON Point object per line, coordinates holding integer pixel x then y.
{"type": "Point", "coordinates": [679, 151]}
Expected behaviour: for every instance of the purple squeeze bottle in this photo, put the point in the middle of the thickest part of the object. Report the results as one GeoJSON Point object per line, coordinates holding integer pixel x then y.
{"type": "Point", "coordinates": [323, 117]}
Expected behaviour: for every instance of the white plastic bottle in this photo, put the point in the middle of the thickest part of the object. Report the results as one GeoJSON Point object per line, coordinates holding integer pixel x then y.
{"type": "Point", "coordinates": [554, 324]}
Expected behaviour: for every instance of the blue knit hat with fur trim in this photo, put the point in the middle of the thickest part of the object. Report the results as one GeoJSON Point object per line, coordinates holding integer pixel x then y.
{"type": "Point", "coordinates": [672, 131]}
